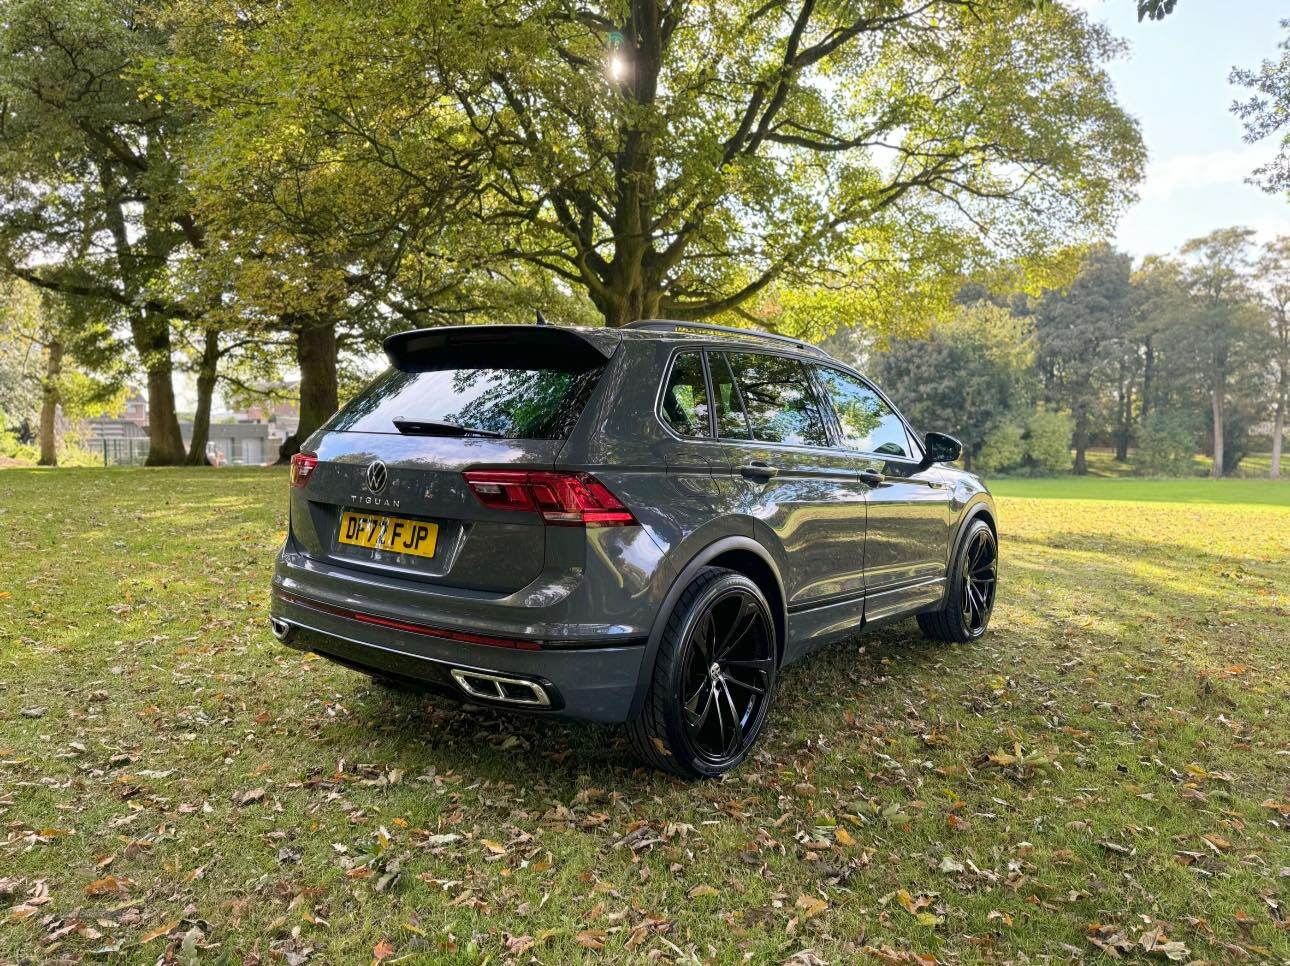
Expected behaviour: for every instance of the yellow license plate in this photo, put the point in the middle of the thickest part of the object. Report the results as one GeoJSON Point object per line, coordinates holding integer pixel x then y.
{"type": "Point", "coordinates": [395, 534]}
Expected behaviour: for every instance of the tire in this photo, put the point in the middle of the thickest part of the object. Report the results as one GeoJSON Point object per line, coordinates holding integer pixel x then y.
{"type": "Point", "coordinates": [718, 656]}
{"type": "Point", "coordinates": [973, 582]}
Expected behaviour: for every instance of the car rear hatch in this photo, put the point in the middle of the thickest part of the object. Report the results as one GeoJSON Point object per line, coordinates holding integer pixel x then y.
{"type": "Point", "coordinates": [388, 490]}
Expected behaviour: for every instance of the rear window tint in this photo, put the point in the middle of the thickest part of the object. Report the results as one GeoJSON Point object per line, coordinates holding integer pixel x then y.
{"type": "Point", "coordinates": [685, 397]}
{"type": "Point", "coordinates": [779, 399]}
{"type": "Point", "coordinates": [518, 403]}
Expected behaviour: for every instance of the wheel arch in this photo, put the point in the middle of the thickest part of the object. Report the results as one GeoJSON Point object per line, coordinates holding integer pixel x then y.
{"type": "Point", "coordinates": [741, 554]}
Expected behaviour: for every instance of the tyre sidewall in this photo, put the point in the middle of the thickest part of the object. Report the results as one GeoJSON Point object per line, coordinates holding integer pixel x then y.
{"type": "Point", "coordinates": [954, 596]}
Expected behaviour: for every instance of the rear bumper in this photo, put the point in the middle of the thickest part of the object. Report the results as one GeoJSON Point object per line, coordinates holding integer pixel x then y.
{"type": "Point", "coordinates": [590, 683]}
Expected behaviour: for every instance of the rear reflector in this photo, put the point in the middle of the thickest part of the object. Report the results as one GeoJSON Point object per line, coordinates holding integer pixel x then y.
{"type": "Point", "coordinates": [411, 627]}
{"type": "Point", "coordinates": [562, 499]}
{"type": "Point", "coordinates": [302, 467]}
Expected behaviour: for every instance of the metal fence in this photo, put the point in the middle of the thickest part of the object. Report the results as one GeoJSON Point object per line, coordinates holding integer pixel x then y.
{"type": "Point", "coordinates": [124, 451]}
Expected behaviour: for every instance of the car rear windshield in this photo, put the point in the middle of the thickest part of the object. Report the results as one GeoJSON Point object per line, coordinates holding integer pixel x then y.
{"type": "Point", "coordinates": [513, 402]}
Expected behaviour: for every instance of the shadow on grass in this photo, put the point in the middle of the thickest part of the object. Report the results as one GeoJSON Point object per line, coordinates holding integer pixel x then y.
{"type": "Point", "coordinates": [552, 757]}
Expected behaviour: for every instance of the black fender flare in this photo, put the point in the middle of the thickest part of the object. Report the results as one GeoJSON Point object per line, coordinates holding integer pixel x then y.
{"type": "Point", "coordinates": [682, 581]}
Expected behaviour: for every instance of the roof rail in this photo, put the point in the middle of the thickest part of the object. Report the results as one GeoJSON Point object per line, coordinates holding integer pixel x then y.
{"type": "Point", "coordinates": [667, 325]}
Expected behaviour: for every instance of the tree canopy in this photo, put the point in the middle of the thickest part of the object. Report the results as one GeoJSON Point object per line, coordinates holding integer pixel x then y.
{"type": "Point", "coordinates": [1267, 112]}
{"type": "Point", "coordinates": [680, 160]}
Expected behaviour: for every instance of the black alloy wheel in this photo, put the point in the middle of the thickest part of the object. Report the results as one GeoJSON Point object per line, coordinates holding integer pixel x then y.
{"type": "Point", "coordinates": [979, 574]}
{"type": "Point", "coordinates": [714, 678]}
{"type": "Point", "coordinates": [973, 580]}
{"type": "Point", "coordinates": [728, 665]}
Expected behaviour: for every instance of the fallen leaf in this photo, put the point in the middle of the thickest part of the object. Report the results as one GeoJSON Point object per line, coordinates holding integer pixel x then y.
{"type": "Point", "coordinates": [810, 905]}
{"type": "Point", "coordinates": [109, 885]}
{"type": "Point", "coordinates": [160, 931]}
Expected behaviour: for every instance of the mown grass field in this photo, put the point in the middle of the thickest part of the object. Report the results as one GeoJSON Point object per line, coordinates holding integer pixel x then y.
{"type": "Point", "coordinates": [1108, 769]}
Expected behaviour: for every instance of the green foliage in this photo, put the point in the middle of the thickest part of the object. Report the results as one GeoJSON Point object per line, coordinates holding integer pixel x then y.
{"type": "Point", "coordinates": [1048, 441]}
{"type": "Point", "coordinates": [1037, 443]}
{"type": "Point", "coordinates": [1266, 113]}
{"type": "Point", "coordinates": [1002, 450]}
{"type": "Point", "coordinates": [1167, 443]}
{"type": "Point", "coordinates": [1155, 9]}
{"type": "Point", "coordinates": [972, 374]}
{"type": "Point", "coordinates": [1081, 332]}
{"type": "Point", "coordinates": [680, 161]}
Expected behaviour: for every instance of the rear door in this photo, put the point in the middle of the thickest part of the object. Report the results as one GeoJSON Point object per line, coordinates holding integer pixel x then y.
{"type": "Point", "coordinates": [908, 534]}
{"type": "Point", "coordinates": [780, 453]}
{"type": "Point", "coordinates": [388, 494]}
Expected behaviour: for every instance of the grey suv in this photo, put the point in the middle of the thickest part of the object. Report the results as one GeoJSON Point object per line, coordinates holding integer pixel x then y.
{"type": "Point", "coordinates": [640, 525]}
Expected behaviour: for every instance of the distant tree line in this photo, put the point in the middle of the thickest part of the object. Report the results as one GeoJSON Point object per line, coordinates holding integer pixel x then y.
{"type": "Point", "coordinates": [1178, 355]}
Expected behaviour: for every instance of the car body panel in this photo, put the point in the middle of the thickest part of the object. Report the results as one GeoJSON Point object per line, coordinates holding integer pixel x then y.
{"type": "Point", "coordinates": [839, 551]}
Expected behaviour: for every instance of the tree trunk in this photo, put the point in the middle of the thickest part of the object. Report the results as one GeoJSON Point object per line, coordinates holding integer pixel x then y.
{"type": "Point", "coordinates": [152, 340]}
{"type": "Point", "coordinates": [1216, 401]}
{"type": "Point", "coordinates": [1125, 428]}
{"type": "Point", "coordinates": [316, 354]}
{"type": "Point", "coordinates": [1081, 444]}
{"type": "Point", "coordinates": [1148, 371]}
{"type": "Point", "coordinates": [207, 372]}
{"type": "Point", "coordinates": [49, 404]}
{"type": "Point", "coordinates": [1279, 428]}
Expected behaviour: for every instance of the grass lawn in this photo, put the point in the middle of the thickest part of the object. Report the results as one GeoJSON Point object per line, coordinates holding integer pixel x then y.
{"type": "Point", "coordinates": [1109, 768]}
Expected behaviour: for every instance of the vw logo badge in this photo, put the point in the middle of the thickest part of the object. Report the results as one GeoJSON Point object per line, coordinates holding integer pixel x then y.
{"type": "Point", "coordinates": [377, 476]}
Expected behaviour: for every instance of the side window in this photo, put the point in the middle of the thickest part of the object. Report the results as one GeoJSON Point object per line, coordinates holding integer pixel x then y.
{"type": "Point", "coordinates": [731, 423]}
{"type": "Point", "coordinates": [685, 398]}
{"type": "Point", "coordinates": [779, 398]}
{"type": "Point", "coordinates": [868, 424]}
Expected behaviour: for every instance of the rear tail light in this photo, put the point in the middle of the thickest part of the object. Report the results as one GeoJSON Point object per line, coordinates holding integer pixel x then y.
{"type": "Point", "coordinates": [302, 467]}
{"type": "Point", "coordinates": [563, 499]}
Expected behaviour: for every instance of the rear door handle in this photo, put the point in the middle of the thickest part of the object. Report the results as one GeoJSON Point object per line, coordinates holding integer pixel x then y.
{"type": "Point", "coordinates": [871, 478]}
{"type": "Point", "coordinates": [759, 471]}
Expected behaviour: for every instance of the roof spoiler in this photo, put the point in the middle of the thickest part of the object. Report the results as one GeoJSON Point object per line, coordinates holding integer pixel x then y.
{"type": "Point", "coordinates": [500, 346]}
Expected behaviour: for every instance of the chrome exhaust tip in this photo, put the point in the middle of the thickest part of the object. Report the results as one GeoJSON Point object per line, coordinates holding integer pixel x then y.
{"type": "Point", "coordinates": [281, 629]}
{"type": "Point", "coordinates": [498, 687]}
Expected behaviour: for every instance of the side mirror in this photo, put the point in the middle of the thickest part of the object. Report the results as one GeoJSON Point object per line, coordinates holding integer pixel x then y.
{"type": "Point", "coordinates": [941, 448]}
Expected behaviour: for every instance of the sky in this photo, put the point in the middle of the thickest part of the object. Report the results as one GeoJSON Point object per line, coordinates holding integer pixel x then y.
{"type": "Point", "coordinates": [1174, 81]}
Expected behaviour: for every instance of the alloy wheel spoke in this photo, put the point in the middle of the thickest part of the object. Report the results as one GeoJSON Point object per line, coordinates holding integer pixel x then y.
{"type": "Point", "coordinates": [739, 628]}
{"type": "Point", "coordinates": [759, 663]}
{"type": "Point", "coordinates": [721, 721]}
{"type": "Point", "coordinates": [693, 703]}
{"type": "Point", "coordinates": [746, 685]}
{"type": "Point", "coordinates": [736, 721]}
{"type": "Point", "coordinates": [706, 636]}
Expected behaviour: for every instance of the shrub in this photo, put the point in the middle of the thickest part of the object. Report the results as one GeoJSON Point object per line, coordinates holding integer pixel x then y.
{"type": "Point", "coordinates": [1048, 441]}
{"type": "Point", "coordinates": [1002, 449]}
{"type": "Point", "coordinates": [1166, 444]}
